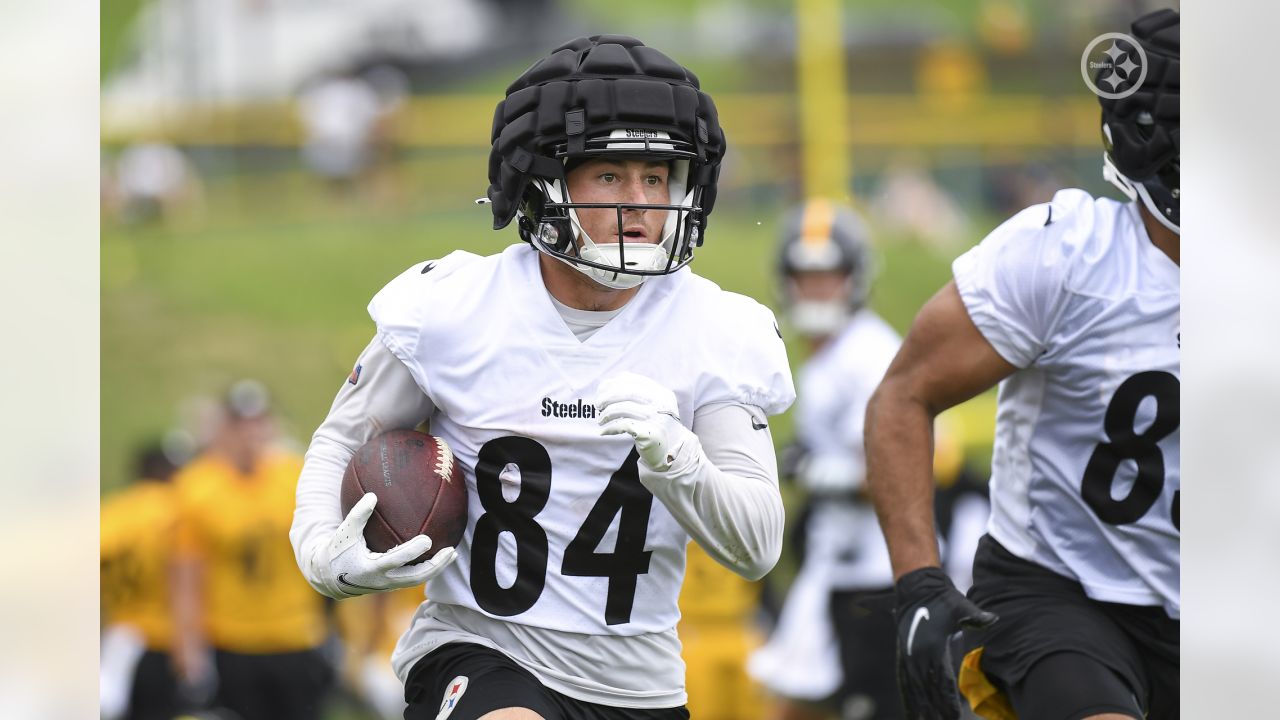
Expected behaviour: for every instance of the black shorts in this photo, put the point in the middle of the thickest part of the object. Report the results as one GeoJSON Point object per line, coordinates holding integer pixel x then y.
{"type": "Point", "coordinates": [1056, 654]}
{"type": "Point", "coordinates": [478, 680]}
{"type": "Point", "coordinates": [276, 686]}
{"type": "Point", "coordinates": [867, 635]}
{"type": "Point", "coordinates": [154, 695]}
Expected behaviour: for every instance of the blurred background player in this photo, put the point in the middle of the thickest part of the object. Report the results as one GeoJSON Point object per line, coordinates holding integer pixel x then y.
{"type": "Point", "coordinates": [247, 622]}
{"type": "Point", "coordinates": [717, 634]}
{"type": "Point", "coordinates": [828, 656]}
{"type": "Point", "coordinates": [138, 682]}
{"type": "Point", "coordinates": [153, 182]}
{"type": "Point", "coordinates": [340, 114]}
{"type": "Point", "coordinates": [370, 625]}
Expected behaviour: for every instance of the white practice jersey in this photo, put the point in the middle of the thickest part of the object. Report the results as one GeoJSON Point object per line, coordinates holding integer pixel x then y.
{"type": "Point", "coordinates": [844, 548]}
{"type": "Point", "coordinates": [561, 534]}
{"type": "Point", "coordinates": [1085, 473]}
{"type": "Point", "coordinates": [834, 387]}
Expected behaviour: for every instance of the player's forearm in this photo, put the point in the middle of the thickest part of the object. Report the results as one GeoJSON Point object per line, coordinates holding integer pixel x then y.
{"type": "Point", "coordinates": [318, 510]}
{"type": "Point", "coordinates": [726, 495]}
{"type": "Point", "coordinates": [738, 521]}
{"type": "Point", "coordinates": [384, 397]}
{"type": "Point", "coordinates": [185, 583]}
{"type": "Point", "coordinates": [899, 443]}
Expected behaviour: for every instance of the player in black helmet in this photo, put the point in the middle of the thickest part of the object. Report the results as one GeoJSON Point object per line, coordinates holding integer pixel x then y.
{"type": "Point", "coordinates": [1073, 307]}
{"type": "Point", "coordinates": [606, 405]}
{"type": "Point", "coordinates": [825, 658]}
{"type": "Point", "coordinates": [605, 97]}
{"type": "Point", "coordinates": [1141, 132]}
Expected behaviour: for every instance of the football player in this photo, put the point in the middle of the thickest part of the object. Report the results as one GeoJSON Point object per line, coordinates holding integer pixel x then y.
{"type": "Point", "coordinates": [825, 655]}
{"type": "Point", "coordinates": [1073, 307]}
{"type": "Point", "coordinates": [606, 403]}
{"type": "Point", "coordinates": [136, 533]}
{"type": "Point", "coordinates": [237, 591]}
{"type": "Point", "coordinates": [718, 632]}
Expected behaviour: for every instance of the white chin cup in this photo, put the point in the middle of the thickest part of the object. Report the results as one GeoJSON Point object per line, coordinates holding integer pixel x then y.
{"type": "Point", "coordinates": [818, 318]}
{"type": "Point", "coordinates": [642, 257]}
{"type": "Point", "coordinates": [1136, 192]}
{"type": "Point", "coordinates": [1155, 210]}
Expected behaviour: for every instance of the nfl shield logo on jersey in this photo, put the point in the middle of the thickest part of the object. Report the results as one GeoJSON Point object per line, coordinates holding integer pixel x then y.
{"type": "Point", "coordinates": [452, 696]}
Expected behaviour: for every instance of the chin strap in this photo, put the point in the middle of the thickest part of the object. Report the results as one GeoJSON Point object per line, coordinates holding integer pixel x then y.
{"type": "Point", "coordinates": [1159, 215]}
{"type": "Point", "coordinates": [1135, 192]}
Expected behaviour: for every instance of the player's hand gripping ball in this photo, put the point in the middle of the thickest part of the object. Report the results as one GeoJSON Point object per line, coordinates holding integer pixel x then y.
{"type": "Point", "coordinates": [419, 486]}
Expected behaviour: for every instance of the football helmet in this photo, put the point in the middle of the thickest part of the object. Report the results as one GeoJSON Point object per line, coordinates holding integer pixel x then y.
{"type": "Point", "coordinates": [604, 96]}
{"type": "Point", "coordinates": [822, 236]}
{"type": "Point", "coordinates": [1141, 131]}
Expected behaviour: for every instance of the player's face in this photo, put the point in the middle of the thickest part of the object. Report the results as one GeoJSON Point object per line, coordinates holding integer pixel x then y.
{"type": "Point", "coordinates": [819, 286]}
{"type": "Point", "coordinates": [636, 182]}
{"type": "Point", "coordinates": [249, 437]}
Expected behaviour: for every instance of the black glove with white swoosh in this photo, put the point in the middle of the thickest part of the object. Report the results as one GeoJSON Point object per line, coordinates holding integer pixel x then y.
{"type": "Point", "coordinates": [930, 611]}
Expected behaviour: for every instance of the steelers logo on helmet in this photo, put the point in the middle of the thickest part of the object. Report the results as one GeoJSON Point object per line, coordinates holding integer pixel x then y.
{"type": "Point", "coordinates": [605, 97]}
{"type": "Point", "coordinates": [1141, 131]}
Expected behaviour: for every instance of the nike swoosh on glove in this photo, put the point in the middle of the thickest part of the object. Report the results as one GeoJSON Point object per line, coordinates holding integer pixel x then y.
{"type": "Point", "coordinates": [647, 411]}
{"type": "Point", "coordinates": [930, 611]}
{"type": "Point", "coordinates": [346, 567]}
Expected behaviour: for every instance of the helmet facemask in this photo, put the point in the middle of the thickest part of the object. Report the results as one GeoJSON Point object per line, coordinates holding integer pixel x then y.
{"type": "Point", "coordinates": [819, 318]}
{"type": "Point", "coordinates": [1141, 127]}
{"type": "Point", "coordinates": [551, 218]}
{"type": "Point", "coordinates": [1160, 193]}
{"type": "Point", "coordinates": [822, 237]}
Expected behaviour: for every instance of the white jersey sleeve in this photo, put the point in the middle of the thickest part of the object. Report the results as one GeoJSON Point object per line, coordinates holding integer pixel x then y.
{"type": "Point", "coordinates": [749, 364]}
{"type": "Point", "coordinates": [727, 499]}
{"type": "Point", "coordinates": [380, 395]}
{"type": "Point", "coordinates": [1011, 283]}
{"type": "Point", "coordinates": [403, 310]}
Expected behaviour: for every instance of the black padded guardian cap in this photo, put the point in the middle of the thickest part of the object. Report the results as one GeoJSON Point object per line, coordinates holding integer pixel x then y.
{"type": "Point", "coordinates": [603, 95]}
{"type": "Point", "coordinates": [1141, 131]}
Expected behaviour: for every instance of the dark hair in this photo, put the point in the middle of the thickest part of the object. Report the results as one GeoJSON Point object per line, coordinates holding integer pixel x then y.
{"type": "Point", "coordinates": [151, 463]}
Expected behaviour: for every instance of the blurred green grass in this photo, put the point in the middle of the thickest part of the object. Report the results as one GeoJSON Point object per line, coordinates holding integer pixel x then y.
{"type": "Point", "coordinates": [273, 279]}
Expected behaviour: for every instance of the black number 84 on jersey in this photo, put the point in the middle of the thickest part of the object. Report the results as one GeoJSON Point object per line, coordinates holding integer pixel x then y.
{"type": "Point", "coordinates": [624, 495]}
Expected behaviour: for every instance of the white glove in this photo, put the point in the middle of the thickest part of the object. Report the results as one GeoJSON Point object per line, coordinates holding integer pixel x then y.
{"type": "Point", "coordinates": [346, 567]}
{"type": "Point", "coordinates": [640, 407]}
{"type": "Point", "coordinates": [831, 474]}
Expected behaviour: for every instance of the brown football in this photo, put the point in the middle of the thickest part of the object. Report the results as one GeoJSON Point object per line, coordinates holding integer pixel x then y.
{"type": "Point", "coordinates": [419, 486]}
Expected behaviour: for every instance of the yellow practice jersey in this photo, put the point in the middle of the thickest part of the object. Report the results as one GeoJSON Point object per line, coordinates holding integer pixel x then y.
{"type": "Point", "coordinates": [135, 547]}
{"type": "Point", "coordinates": [374, 623]}
{"type": "Point", "coordinates": [255, 599]}
{"type": "Point", "coordinates": [717, 635]}
{"type": "Point", "coordinates": [713, 592]}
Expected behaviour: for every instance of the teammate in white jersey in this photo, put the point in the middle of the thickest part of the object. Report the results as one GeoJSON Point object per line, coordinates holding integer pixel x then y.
{"type": "Point", "coordinates": [1073, 307]}
{"type": "Point", "coordinates": [825, 656]}
{"type": "Point", "coordinates": [577, 378]}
